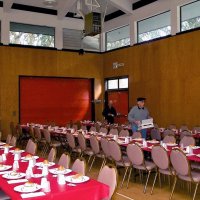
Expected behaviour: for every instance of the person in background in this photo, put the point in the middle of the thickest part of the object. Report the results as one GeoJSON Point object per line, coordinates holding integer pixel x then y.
{"type": "Point", "coordinates": [109, 112]}
{"type": "Point", "coordinates": [137, 114]}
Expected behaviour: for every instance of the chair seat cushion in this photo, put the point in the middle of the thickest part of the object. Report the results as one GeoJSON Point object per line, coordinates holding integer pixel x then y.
{"type": "Point", "coordinates": [195, 177]}
{"type": "Point", "coordinates": [124, 162]}
{"type": "Point", "coordinates": [149, 166]}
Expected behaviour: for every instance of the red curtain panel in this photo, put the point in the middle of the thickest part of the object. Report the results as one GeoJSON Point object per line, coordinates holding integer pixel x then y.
{"type": "Point", "coordinates": [59, 100]}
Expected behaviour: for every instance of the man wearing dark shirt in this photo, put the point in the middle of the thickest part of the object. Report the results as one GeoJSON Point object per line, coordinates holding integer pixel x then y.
{"type": "Point", "coordinates": [109, 112]}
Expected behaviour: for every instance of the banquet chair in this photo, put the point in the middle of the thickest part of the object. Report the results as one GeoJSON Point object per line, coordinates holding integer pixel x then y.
{"type": "Point", "coordinates": [155, 134]}
{"type": "Point", "coordinates": [49, 142]}
{"type": "Point", "coordinates": [84, 128]}
{"type": "Point", "coordinates": [68, 125]}
{"type": "Point", "coordinates": [118, 158]}
{"type": "Point", "coordinates": [113, 131]}
{"type": "Point", "coordinates": [97, 153]}
{"type": "Point", "coordinates": [106, 149]}
{"type": "Point", "coordinates": [31, 132]}
{"type": "Point", "coordinates": [109, 176]}
{"type": "Point", "coordinates": [136, 157]}
{"type": "Point", "coordinates": [79, 166]}
{"type": "Point", "coordinates": [169, 139]}
{"type": "Point", "coordinates": [136, 135]}
{"type": "Point", "coordinates": [64, 160]}
{"type": "Point", "coordinates": [31, 147]}
{"type": "Point", "coordinates": [171, 126]}
{"type": "Point", "coordinates": [13, 141]}
{"type": "Point", "coordinates": [183, 170]}
{"type": "Point", "coordinates": [4, 196]}
{"type": "Point", "coordinates": [97, 126]}
{"type": "Point", "coordinates": [75, 127]}
{"type": "Point", "coordinates": [12, 128]}
{"type": "Point", "coordinates": [52, 155]}
{"type": "Point", "coordinates": [93, 128]}
{"type": "Point", "coordinates": [8, 139]}
{"type": "Point", "coordinates": [72, 144]}
{"type": "Point", "coordinates": [84, 149]}
{"type": "Point", "coordinates": [124, 133]}
{"type": "Point", "coordinates": [196, 129]}
{"type": "Point", "coordinates": [184, 128]}
{"type": "Point", "coordinates": [167, 132]}
{"type": "Point", "coordinates": [120, 128]}
{"type": "Point", "coordinates": [103, 130]}
{"type": "Point", "coordinates": [187, 141]}
{"type": "Point", "coordinates": [161, 159]}
{"type": "Point", "coordinates": [185, 133]}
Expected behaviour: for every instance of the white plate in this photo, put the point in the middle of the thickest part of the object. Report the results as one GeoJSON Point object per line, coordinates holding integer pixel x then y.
{"type": "Point", "coordinates": [81, 179]}
{"type": "Point", "coordinates": [171, 144]}
{"type": "Point", "coordinates": [41, 164]}
{"type": "Point", "coordinates": [56, 171]}
{"type": "Point", "coordinates": [5, 167]}
{"type": "Point", "coordinates": [137, 139]}
{"type": "Point", "coordinates": [196, 147]}
{"type": "Point", "coordinates": [152, 141]}
{"type": "Point", "coordinates": [29, 158]}
{"type": "Point", "coordinates": [2, 147]}
{"type": "Point", "coordinates": [10, 175]}
{"type": "Point", "coordinates": [2, 143]}
{"type": "Point", "coordinates": [13, 151]}
{"type": "Point", "coordinates": [25, 189]}
{"type": "Point", "coordinates": [37, 176]}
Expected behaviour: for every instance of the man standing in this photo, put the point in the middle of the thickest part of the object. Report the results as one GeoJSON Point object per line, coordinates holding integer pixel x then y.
{"type": "Point", "coordinates": [137, 114]}
{"type": "Point", "coordinates": [109, 112]}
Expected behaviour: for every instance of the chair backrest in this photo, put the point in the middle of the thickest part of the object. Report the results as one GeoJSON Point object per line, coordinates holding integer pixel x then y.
{"type": "Point", "coordinates": [75, 127]}
{"type": "Point", "coordinates": [82, 141]}
{"type": "Point", "coordinates": [64, 160]}
{"type": "Point", "coordinates": [135, 154]}
{"type": "Point", "coordinates": [79, 166]}
{"type": "Point", "coordinates": [113, 131]}
{"type": "Point", "coordinates": [171, 126]}
{"type": "Point", "coordinates": [115, 150]}
{"type": "Point", "coordinates": [187, 141]}
{"type": "Point", "coordinates": [108, 175]}
{"type": "Point", "coordinates": [13, 141]}
{"type": "Point", "coordinates": [93, 128]}
{"type": "Point", "coordinates": [137, 135]}
{"type": "Point", "coordinates": [94, 143]}
{"type": "Point", "coordinates": [18, 130]}
{"type": "Point", "coordinates": [68, 125]}
{"type": "Point", "coordinates": [8, 139]}
{"type": "Point", "coordinates": [184, 128]}
{"type": "Point", "coordinates": [185, 133]}
{"type": "Point", "coordinates": [37, 133]}
{"type": "Point", "coordinates": [52, 155]}
{"type": "Point", "coordinates": [103, 130]}
{"type": "Point", "coordinates": [179, 162]}
{"type": "Point", "coordinates": [169, 139]}
{"type": "Point", "coordinates": [31, 131]}
{"type": "Point", "coordinates": [155, 134]}
{"type": "Point", "coordinates": [105, 146]}
{"type": "Point", "coordinates": [84, 128]}
{"type": "Point", "coordinates": [168, 132]}
{"type": "Point", "coordinates": [124, 133]}
{"type": "Point", "coordinates": [196, 129]}
{"type": "Point", "coordinates": [160, 157]}
{"type": "Point", "coordinates": [47, 135]}
{"type": "Point", "coordinates": [71, 140]}
{"type": "Point", "coordinates": [31, 147]}
{"type": "Point", "coordinates": [97, 126]}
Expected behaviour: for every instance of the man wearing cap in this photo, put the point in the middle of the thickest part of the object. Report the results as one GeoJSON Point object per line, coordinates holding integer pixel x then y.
{"type": "Point", "coordinates": [137, 114]}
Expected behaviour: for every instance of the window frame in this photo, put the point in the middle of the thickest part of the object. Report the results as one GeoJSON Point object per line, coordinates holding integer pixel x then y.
{"type": "Point", "coordinates": [114, 30]}
{"type": "Point", "coordinates": [151, 30]}
{"type": "Point", "coordinates": [180, 20]}
{"type": "Point", "coordinates": [33, 33]}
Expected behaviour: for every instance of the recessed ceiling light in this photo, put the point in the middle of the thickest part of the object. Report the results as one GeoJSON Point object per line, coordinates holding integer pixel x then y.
{"type": "Point", "coordinates": [50, 3]}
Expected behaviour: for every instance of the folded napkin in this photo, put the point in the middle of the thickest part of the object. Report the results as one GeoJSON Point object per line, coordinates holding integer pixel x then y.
{"type": "Point", "coordinates": [35, 194]}
{"type": "Point", "coordinates": [17, 181]}
{"type": "Point", "coordinates": [5, 172]}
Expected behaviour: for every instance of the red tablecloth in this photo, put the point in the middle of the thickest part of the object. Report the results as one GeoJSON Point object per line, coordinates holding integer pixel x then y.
{"type": "Point", "coordinates": [90, 190]}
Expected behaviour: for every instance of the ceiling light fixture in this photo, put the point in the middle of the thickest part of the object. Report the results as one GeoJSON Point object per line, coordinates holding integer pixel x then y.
{"type": "Point", "coordinates": [50, 3]}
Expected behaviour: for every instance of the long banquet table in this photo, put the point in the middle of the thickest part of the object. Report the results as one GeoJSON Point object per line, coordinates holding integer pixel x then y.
{"type": "Point", "coordinates": [90, 190]}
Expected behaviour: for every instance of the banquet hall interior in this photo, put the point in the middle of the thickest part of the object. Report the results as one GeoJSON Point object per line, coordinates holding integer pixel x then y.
{"type": "Point", "coordinates": [62, 61]}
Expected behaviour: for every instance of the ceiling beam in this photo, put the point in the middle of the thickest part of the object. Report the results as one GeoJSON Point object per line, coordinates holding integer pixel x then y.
{"type": "Point", "coordinates": [64, 8]}
{"type": "Point", "coordinates": [7, 5]}
{"type": "Point", "coordinates": [125, 6]}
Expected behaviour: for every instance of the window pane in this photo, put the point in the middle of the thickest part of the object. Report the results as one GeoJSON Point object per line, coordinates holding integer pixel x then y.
{"type": "Point", "coordinates": [113, 84]}
{"type": "Point", "coordinates": [190, 16]}
{"type": "Point", "coordinates": [123, 83]}
{"type": "Point", "coordinates": [34, 35]}
{"type": "Point", "coordinates": [154, 27]}
{"type": "Point", "coordinates": [118, 38]}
